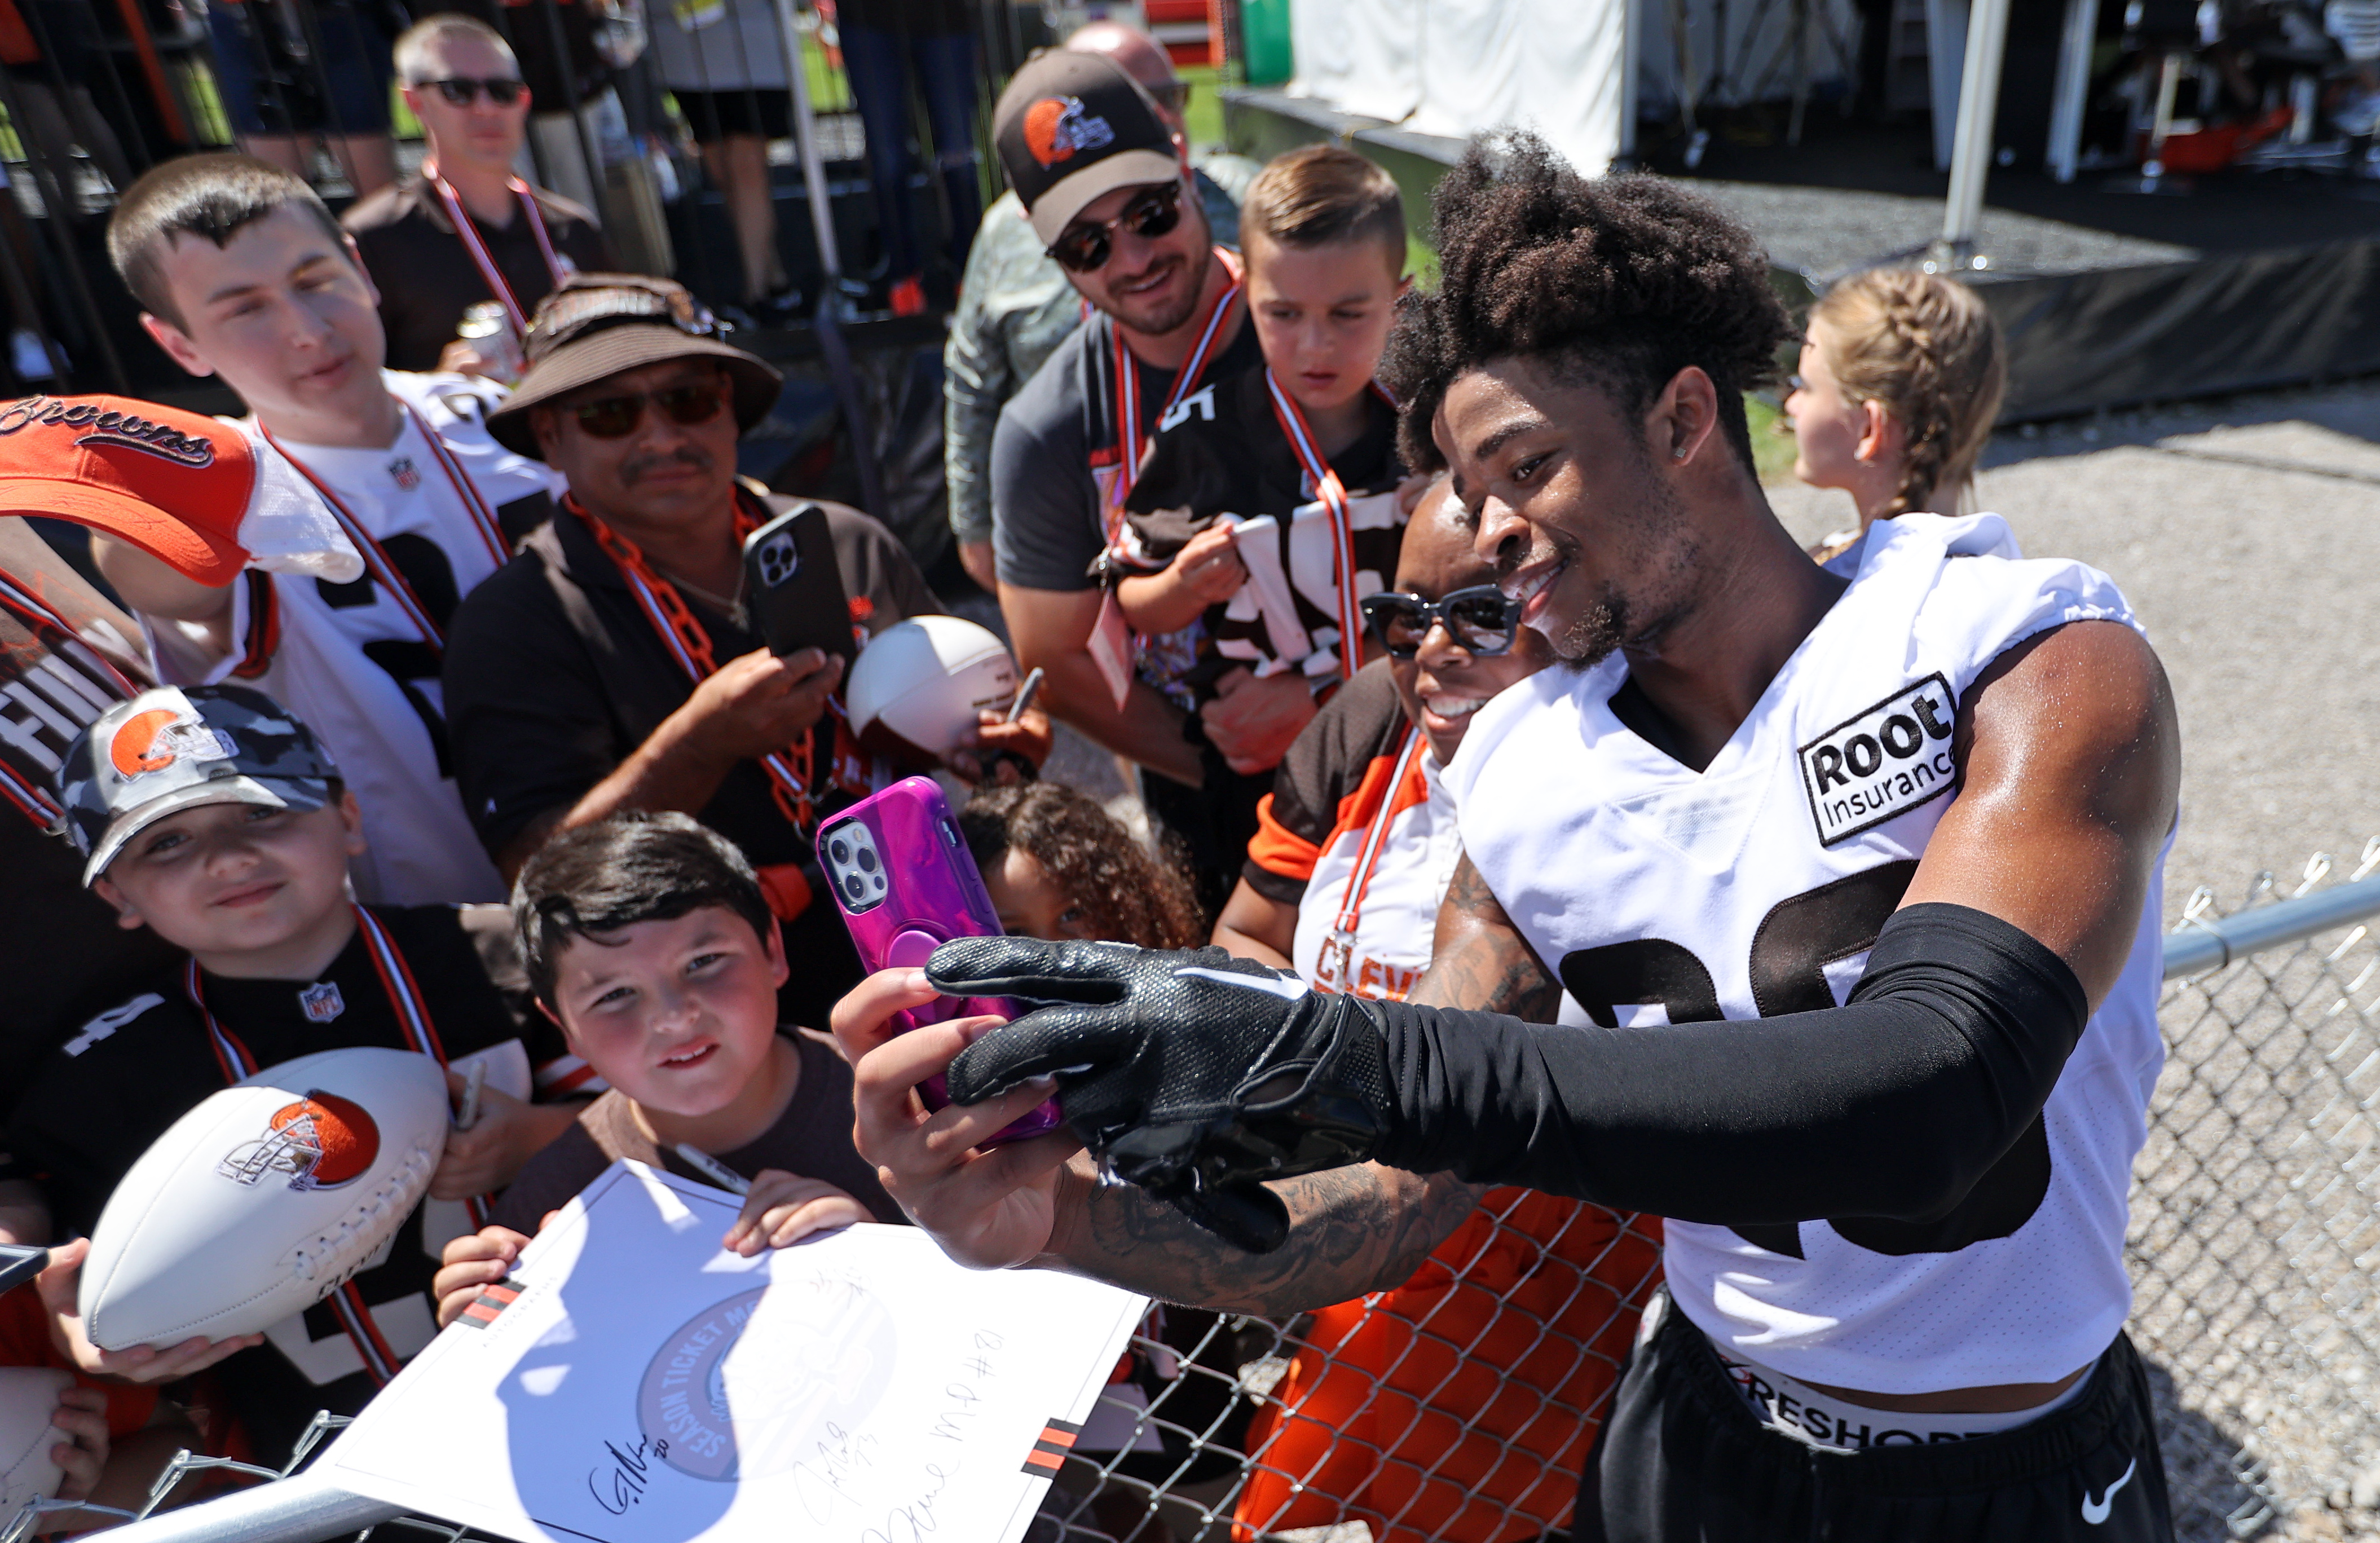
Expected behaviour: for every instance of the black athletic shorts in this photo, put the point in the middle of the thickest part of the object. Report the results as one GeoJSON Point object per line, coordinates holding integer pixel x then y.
{"type": "Point", "coordinates": [759, 110]}
{"type": "Point", "coordinates": [1681, 1460]}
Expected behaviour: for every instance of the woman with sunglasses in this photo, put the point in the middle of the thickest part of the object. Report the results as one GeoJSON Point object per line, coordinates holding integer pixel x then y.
{"type": "Point", "coordinates": [1423, 1410]}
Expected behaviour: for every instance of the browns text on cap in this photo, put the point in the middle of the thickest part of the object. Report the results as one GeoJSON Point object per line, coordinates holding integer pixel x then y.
{"type": "Point", "coordinates": [1071, 127]}
{"type": "Point", "coordinates": [187, 489]}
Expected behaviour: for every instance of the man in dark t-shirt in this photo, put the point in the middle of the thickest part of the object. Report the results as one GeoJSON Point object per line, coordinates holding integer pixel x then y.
{"type": "Point", "coordinates": [466, 230]}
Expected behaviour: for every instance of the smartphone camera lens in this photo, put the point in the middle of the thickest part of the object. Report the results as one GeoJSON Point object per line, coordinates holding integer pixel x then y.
{"type": "Point", "coordinates": [867, 861]}
{"type": "Point", "coordinates": [853, 888]}
{"type": "Point", "coordinates": [838, 851]}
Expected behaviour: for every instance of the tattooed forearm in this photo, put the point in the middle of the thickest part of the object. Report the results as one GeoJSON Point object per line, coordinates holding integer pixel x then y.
{"type": "Point", "coordinates": [1479, 959]}
{"type": "Point", "coordinates": [1352, 1231]}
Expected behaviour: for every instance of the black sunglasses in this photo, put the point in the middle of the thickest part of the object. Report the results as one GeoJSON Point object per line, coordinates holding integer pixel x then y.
{"type": "Point", "coordinates": [1085, 245]}
{"type": "Point", "coordinates": [1479, 619]}
{"type": "Point", "coordinates": [461, 91]}
{"type": "Point", "coordinates": [618, 417]}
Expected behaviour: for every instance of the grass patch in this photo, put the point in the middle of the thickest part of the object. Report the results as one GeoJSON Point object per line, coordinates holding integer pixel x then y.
{"type": "Point", "coordinates": [1772, 439]}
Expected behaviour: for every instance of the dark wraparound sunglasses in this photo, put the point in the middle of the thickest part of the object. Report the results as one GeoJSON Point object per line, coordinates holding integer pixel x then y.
{"type": "Point", "coordinates": [618, 417]}
{"type": "Point", "coordinates": [1087, 245]}
{"type": "Point", "coordinates": [461, 91]}
{"type": "Point", "coordinates": [1479, 619]}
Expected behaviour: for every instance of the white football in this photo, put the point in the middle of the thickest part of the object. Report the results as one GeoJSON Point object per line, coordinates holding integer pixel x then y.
{"type": "Point", "coordinates": [264, 1198]}
{"type": "Point", "coordinates": [28, 1396]}
{"type": "Point", "coordinates": [927, 678]}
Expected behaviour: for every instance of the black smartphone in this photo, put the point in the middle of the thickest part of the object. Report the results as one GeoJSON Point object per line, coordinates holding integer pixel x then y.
{"type": "Point", "coordinates": [792, 586]}
{"type": "Point", "coordinates": [19, 1265]}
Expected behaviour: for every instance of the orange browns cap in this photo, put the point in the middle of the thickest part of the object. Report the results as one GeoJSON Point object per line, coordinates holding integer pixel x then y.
{"type": "Point", "coordinates": [184, 488]}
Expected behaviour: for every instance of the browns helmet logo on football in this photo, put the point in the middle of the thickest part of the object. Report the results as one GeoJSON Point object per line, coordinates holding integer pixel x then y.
{"type": "Point", "coordinates": [154, 740]}
{"type": "Point", "coordinates": [1056, 127]}
{"type": "Point", "coordinates": [321, 1142]}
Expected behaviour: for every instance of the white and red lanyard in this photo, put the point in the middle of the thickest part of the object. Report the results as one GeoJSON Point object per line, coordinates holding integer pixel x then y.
{"type": "Point", "coordinates": [238, 1063]}
{"type": "Point", "coordinates": [1333, 494]}
{"type": "Point", "coordinates": [688, 643]}
{"type": "Point", "coordinates": [1341, 940]}
{"type": "Point", "coordinates": [34, 800]}
{"type": "Point", "coordinates": [1130, 444]}
{"type": "Point", "coordinates": [513, 311]}
{"type": "Point", "coordinates": [376, 559]}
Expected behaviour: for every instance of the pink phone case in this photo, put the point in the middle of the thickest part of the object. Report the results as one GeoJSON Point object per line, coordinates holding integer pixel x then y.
{"type": "Point", "coordinates": [905, 882]}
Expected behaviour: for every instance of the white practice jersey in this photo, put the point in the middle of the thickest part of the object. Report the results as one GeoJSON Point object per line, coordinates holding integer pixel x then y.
{"type": "Point", "coordinates": [351, 660]}
{"type": "Point", "coordinates": [1661, 894]}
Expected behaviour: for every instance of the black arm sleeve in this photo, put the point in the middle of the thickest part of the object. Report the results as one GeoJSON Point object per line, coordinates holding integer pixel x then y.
{"type": "Point", "coordinates": [1893, 1105]}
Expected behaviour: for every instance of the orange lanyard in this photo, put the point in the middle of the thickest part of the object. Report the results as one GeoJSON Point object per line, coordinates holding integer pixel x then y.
{"type": "Point", "coordinates": [688, 642]}
{"type": "Point", "coordinates": [346, 1304]}
{"type": "Point", "coordinates": [1333, 494]}
{"type": "Point", "coordinates": [472, 242]}
{"type": "Point", "coordinates": [1129, 439]}
{"type": "Point", "coordinates": [1341, 940]}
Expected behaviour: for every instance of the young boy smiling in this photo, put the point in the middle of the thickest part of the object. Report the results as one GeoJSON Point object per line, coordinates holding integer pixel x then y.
{"type": "Point", "coordinates": [215, 818]}
{"type": "Point", "coordinates": [647, 938]}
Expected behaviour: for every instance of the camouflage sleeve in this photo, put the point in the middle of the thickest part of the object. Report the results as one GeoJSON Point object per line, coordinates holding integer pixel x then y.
{"type": "Point", "coordinates": [976, 383]}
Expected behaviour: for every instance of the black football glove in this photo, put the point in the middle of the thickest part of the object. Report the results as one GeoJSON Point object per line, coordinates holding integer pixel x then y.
{"type": "Point", "coordinates": [1193, 1074]}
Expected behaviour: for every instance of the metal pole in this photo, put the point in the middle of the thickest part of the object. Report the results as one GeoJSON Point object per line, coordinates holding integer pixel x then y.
{"type": "Point", "coordinates": [805, 144]}
{"type": "Point", "coordinates": [2074, 85]}
{"type": "Point", "coordinates": [1632, 39]}
{"type": "Point", "coordinates": [1971, 154]}
{"type": "Point", "coordinates": [301, 1509]}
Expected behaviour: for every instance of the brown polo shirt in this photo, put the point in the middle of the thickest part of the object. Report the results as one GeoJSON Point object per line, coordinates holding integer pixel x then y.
{"type": "Point", "coordinates": [426, 276]}
{"type": "Point", "coordinates": [554, 677]}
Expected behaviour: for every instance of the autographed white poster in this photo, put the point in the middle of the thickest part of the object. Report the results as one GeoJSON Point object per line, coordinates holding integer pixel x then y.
{"type": "Point", "coordinates": [632, 1383]}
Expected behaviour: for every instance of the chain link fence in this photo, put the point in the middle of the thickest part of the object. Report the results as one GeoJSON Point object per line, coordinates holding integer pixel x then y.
{"type": "Point", "coordinates": [1449, 1409]}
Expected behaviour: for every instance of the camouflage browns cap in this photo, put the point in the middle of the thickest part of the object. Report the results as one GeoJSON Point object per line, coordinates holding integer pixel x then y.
{"type": "Point", "coordinates": [176, 748]}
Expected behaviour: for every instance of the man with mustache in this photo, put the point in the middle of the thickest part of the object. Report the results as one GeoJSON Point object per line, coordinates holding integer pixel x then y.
{"type": "Point", "coordinates": [612, 665]}
{"type": "Point", "coordinates": [1105, 188]}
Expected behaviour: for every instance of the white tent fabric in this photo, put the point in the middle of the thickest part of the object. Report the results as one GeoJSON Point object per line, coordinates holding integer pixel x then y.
{"type": "Point", "coordinates": [1456, 67]}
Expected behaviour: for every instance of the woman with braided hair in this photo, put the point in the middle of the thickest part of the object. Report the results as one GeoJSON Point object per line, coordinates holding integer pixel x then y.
{"type": "Point", "coordinates": [1901, 376]}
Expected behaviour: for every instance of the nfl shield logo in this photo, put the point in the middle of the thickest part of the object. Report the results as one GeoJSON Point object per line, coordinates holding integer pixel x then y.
{"type": "Point", "coordinates": [406, 474]}
{"type": "Point", "coordinates": [321, 1001]}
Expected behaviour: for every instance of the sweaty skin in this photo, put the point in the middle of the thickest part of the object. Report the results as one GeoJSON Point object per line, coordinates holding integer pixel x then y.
{"type": "Point", "coordinates": [1646, 533]}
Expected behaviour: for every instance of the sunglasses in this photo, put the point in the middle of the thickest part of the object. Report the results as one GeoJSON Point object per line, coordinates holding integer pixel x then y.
{"type": "Point", "coordinates": [1479, 619]}
{"type": "Point", "coordinates": [1086, 246]}
{"type": "Point", "coordinates": [618, 417]}
{"type": "Point", "coordinates": [461, 91]}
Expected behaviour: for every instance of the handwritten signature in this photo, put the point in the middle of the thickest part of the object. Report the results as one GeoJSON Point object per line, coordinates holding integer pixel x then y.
{"type": "Point", "coordinates": [914, 1521]}
{"type": "Point", "coordinates": [622, 1482]}
{"type": "Point", "coordinates": [823, 1482]}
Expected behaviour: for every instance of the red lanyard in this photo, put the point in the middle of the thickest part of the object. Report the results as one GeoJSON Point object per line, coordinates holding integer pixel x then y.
{"type": "Point", "coordinates": [346, 1304]}
{"type": "Point", "coordinates": [1129, 439]}
{"type": "Point", "coordinates": [1367, 859]}
{"type": "Point", "coordinates": [688, 642]}
{"type": "Point", "coordinates": [376, 558]}
{"type": "Point", "coordinates": [472, 243]}
{"type": "Point", "coordinates": [1333, 494]}
{"type": "Point", "coordinates": [30, 796]}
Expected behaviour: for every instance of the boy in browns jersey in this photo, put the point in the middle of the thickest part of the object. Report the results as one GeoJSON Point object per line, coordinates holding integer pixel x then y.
{"type": "Point", "coordinates": [242, 274]}
{"type": "Point", "coordinates": [1307, 443]}
{"type": "Point", "coordinates": [214, 818]}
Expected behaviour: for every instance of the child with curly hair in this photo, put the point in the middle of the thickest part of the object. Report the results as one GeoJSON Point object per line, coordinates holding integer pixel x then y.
{"type": "Point", "coordinates": [1058, 866]}
{"type": "Point", "coordinates": [1901, 376]}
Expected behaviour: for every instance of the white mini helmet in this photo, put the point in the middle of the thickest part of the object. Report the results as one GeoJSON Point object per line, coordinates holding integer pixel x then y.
{"type": "Point", "coordinates": [925, 679]}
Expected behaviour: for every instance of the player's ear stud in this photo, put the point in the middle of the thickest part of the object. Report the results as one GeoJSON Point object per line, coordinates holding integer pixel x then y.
{"type": "Point", "coordinates": [1678, 454]}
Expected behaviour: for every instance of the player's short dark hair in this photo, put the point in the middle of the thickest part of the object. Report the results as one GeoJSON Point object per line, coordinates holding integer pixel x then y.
{"type": "Point", "coordinates": [1619, 282]}
{"type": "Point", "coordinates": [1320, 194]}
{"type": "Point", "coordinates": [211, 195]}
{"type": "Point", "coordinates": [634, 866]}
